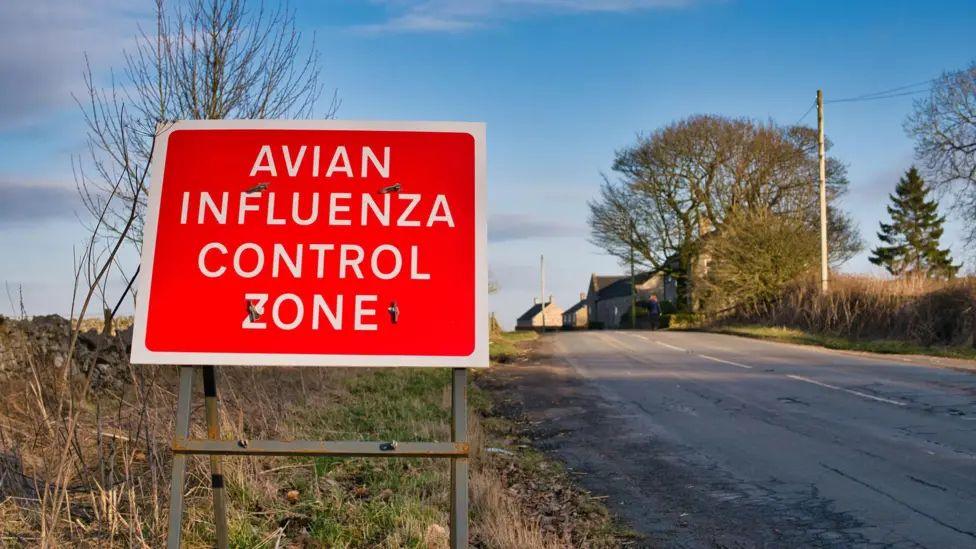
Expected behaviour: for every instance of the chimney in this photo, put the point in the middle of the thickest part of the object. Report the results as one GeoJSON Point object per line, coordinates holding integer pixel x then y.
{"type": "Point", "coordinates": [550, 300]}
{"type": "Point", "coordinates": [582, 296]}
{"type": "Point", "coordinates": [535, 300]}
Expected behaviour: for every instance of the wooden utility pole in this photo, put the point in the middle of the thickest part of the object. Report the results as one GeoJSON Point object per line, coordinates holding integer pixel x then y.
{"type": "Point", "coordinates": [542, 289]}
{"type": "Point", "coordinates": [824, 270]}
{"type": "Point", "coordinates": [633, 288]}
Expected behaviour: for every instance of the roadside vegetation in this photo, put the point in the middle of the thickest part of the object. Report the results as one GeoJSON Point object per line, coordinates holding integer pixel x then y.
{"type": "Point", "coordinates": [900, 316]}
{"type": "Point", "coordinates": [760, 280]}
{"type": "Point", "coordinates": [93, 469]}
{"type": "Point", "coordinates": [919, 311]}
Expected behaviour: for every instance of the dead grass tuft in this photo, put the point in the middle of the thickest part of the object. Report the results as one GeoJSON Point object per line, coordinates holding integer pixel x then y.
{"type": "Point", "coordinates": [502, 524]}
{"type": "Point", "coordinates": [922, 311]}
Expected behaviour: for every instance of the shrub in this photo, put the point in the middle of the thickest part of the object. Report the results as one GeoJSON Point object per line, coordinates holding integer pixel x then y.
{"type": "Point", "coordinates": [757, 253]}
{"type": "Point", "coordinates": [918, 310]}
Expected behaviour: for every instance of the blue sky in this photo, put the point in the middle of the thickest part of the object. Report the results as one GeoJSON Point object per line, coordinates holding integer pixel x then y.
{"type": "Point", "coordinates": [561, 85]}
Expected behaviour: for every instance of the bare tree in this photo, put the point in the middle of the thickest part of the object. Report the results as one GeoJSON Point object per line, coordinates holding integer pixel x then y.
{"type": "Point", "coordinates": [205, 59]}
{"type": "Point", "coordinates": [678, 185]}
{"type": "Point", "coordinates": [944, 127]}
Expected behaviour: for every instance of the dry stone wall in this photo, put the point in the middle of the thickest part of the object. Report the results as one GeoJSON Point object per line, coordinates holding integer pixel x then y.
{"type": "Point", "coordinates": [44, 340]}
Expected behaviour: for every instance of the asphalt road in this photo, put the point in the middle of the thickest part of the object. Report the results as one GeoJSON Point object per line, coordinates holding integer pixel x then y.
{"type": "Point", "coordinates": [706, 440]}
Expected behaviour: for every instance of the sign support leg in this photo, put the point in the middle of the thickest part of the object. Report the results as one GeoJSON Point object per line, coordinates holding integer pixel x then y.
{"type": "Point", "coordinates": [459, 466]}
{"type": "Point", "coordinates": [216, 469]}
{"type": "Point", "coordinates": [457, 450]}
{"type": "Point", "coordinates": [179, 460]}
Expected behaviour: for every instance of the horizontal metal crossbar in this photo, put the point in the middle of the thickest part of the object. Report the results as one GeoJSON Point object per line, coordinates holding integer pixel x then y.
{"type": "Point", "coordinates": [319, 448]}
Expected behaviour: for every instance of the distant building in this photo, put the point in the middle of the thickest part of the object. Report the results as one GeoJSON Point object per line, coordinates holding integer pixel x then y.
{"type": "Point", "coordinates": [576, 316]}
{"type": "Point", "coordinates": [532, 319]}
{"type": "Point", "coordinates": [608, 297]}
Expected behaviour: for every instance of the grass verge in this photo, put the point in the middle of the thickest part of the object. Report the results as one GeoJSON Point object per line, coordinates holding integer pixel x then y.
{"type": "Point", "coordinates": [519, 498]}
{"type": "Point", "coordinates": [504, 346]}
{"type": "Point", "coordinates": [109, 487]}
{"type": "Point", "coordinates": [883, 346]}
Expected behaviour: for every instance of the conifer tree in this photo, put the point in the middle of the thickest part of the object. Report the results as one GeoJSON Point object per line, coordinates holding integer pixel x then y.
{"type": "Point", "coordinates": [911, 240]}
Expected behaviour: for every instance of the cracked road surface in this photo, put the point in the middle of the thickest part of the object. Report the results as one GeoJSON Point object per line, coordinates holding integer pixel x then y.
{"type": "Point", "coordinates": [707, 440]}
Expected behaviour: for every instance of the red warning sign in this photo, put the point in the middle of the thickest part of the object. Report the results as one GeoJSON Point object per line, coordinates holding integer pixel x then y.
{"type": "Point", "coordinates": [321, 243]}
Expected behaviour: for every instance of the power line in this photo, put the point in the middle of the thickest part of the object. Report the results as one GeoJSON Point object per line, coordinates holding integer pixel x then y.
{"type": "Point", "coordinates": [900, 91]}
{"type": "Point", "coordinates": [804, 115]}
{"type": "Point", "coordinates": [900, 88]}
{"type": "Point", "coordinates": [889, 96]}
{"type": "Point", "coordinates": [886, 94]}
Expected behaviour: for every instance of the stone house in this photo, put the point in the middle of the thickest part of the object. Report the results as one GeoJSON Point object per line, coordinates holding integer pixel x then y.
{"type": "Point", "coordinates": [532, 319]}
{"type": "Point", "coordinates": [608, 297]}
{"type": "Point", "coordinates": [576, 316]}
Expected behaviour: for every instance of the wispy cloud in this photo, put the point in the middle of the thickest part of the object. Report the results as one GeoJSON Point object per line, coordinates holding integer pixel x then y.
{"type": "Point", "coordinates": [22, 204]}
{"type": "Point", "coordinates": [462, 15]}
{"type": "Point", "coordinates": [43, 44]}
{"type": "Point", "coordinates": [508, 227]}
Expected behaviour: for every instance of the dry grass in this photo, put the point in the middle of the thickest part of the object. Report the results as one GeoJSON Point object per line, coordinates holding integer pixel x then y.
{"type": "Point", "coordinates": [91, 468]}
{"type": "Point", "coordinates": [503, 524]}
{"type": "Point", "coordinates": [919, 311]}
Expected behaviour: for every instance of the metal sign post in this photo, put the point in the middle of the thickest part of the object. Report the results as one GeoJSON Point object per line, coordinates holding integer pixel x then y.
{"type": "Point", "coordinates": [313, 243]}
{"type": "Point", "coordinates": [459, 464]}
{"type": "Point", "coordinates": [457, 450]}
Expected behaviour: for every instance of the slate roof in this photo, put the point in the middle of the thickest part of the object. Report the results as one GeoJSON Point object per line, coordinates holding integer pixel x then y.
{"type": "Point", "coordinates": [574, 308]}
{"type": "Point", "coordinates": [533, 310]}
{"type": "Point", "coordinates": [619, 288]}
{"type": "Point", "coordinates": [608, 287]}
{"type": "Point", "coordinates": [599, 282]}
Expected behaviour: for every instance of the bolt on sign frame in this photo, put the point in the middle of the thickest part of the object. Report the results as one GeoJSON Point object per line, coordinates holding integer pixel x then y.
{"type": "Point", "coordinates": [411, 192]}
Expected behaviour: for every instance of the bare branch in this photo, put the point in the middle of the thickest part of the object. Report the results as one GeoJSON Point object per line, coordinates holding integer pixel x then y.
{"type": "Point", "coordinates": [944, 127]}
{"type": "Point", "coordinates": [205, 59]}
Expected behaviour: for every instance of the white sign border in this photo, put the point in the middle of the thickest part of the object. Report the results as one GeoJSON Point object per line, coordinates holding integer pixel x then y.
{"type": "Point", "coordinates": [477, 359]}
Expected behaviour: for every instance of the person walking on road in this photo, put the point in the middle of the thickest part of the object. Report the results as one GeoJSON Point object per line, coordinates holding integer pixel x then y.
{"type": "Point", "coordinates": [654, 312]}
